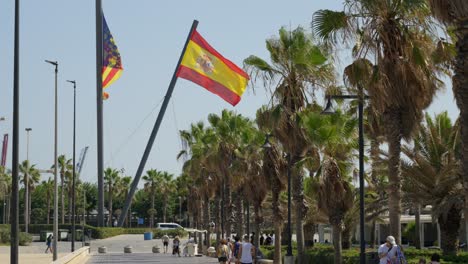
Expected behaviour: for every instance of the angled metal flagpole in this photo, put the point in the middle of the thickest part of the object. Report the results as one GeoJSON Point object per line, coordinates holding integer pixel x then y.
{"type": "Point", "coordinates": [100, 145]}
{"type": "Point", "coordinates": [141, 167]}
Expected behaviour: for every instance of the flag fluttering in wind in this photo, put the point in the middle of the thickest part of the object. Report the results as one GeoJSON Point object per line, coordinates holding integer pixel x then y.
{"type": "Point", "coordinates": [203, 65]}
{"type": "Point", "coordinates": [111, 61]}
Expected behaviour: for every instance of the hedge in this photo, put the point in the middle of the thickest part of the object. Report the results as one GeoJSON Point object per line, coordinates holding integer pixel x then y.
{"type": "Point", "coordinates": [321, 254]}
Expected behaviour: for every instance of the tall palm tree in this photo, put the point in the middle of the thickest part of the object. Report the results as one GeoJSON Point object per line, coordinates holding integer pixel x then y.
{"type": "Point", "coordinates": [152, 180]}
{"type": "Point", "coordinates": [111, 178]}
{"type": "Point", "coordinates": [64, 166]}
{"type": "Point", "coordinates": [432, 175]}
{"type": "Point", "coordinates": [297, 68]}
{"type": "Point", "coordinates": [228, 128]}
{"type": "Point", "coordinates": [49, 191]}
{"type": "Point", "coordinates": [5, 189]}
{"type": "Point", "coordinates": [454, 13]}
{"type": "Point", "coordinates": [30, 176]}
{"type": "Point", "coordinates": [404, 80]}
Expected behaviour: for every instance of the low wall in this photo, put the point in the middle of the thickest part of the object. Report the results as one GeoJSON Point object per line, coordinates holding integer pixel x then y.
{"type": "Point", "coordinates": [79, 256]}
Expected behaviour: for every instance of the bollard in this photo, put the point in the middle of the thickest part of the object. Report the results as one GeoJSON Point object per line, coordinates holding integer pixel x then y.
{"type": "Point", "coordinates": [156, 249]}
{"type": "Point", "coordinates": [128, 249]}
{"type": "Point", "coordinates": [102, 250]}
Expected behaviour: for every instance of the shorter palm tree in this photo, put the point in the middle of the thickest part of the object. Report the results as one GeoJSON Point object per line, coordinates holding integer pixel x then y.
{"type": "Point", "coordinates": [432, 175]}
{"type": "Point", "coordinates": [152, 180]}
{"type": "Point", "coordinates": [111, 177]}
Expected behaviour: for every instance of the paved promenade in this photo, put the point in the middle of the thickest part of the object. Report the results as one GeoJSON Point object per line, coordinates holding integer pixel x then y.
{"type": "Point", "coordinates": [141, 252]}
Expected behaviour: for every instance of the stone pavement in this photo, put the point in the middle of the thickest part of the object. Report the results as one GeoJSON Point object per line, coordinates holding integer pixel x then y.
{"type": "Point", "coordinates": [35, 253]}
{"type": "Point", "coordinates": [141, 252]}
{"type": "Point", "coordinates": [147, 258]}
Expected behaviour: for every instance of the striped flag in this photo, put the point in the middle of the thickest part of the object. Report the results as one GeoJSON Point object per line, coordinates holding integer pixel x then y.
{"type": "Point", "coordinates": [111, 61]}
{"type": "Point", "coordinates": [203, 65]}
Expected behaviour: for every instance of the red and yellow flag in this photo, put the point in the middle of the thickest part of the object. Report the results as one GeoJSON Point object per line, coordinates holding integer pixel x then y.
{"type": "Point", "coordinates": [111, 61]}
{"type": "Point", "coordinates": [203, 65]}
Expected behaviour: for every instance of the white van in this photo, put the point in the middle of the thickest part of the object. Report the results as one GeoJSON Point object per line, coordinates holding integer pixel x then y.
{"type": "Point", "coordinates": [167, 226]}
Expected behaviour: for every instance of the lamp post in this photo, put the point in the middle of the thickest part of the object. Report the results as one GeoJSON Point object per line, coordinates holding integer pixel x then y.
{"type": "Point", "coordinates": [74, 170]}
{"type": "Point", "coordinates": [289, 258]}
{"type": "Point", "coordinates": [329, 110]}
{"type": "Point", "coordinates": [26, 186]}
{"type": "Point", "coordinates": [55, 229]}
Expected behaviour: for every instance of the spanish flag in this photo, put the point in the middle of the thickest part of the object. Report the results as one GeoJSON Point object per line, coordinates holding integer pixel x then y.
{"type": "Point", "coordinates": [111, 62]}
{"type": "Point", "coordinates": [203, 65]}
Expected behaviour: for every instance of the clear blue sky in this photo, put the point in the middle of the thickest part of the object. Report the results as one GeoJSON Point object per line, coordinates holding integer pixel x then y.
{"type": "Point", "coordinates": [150, 35]}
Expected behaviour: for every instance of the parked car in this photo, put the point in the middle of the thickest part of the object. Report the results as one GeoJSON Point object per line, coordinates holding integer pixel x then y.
{"type": "Point", "coordinates": [167, 226]}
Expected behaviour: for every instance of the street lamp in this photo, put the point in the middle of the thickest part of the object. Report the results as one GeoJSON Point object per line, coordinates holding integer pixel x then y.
{"type": "Point", "coordinates": [26, 186]}
{"type": "Point", "coordinates": [55, 229]}
{"type": "Point", "coordinates": [329, 110]}
{"type": "Point", "coordinates": [289, 259]}
{"type": "Point", "coordinates": [74, 171]}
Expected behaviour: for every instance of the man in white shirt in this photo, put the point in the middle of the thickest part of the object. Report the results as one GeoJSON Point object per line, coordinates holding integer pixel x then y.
{"type": "Point", "coordinates": [387, 250]}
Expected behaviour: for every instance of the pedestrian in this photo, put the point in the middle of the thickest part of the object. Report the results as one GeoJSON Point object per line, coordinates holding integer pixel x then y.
{"type": "Point", "coordinates": [252, 237]}
{"type": "Point", "coordinates": [235, 250]}
{"type": "Point", "coordinates": [435, 259]}
{"type": "Point", "coordinates": [229, 246]}
{"type": "Point", "coordinates": [49, 244]}
{"type": "Point", "coordinates": [422, 261]}
{"type": "Point", "coordinates": [388, 251]}
{"type": "Point", "coordinates": [268, 240]}
{"type": "Point", "coordinates": [165, 240]}
{"type": "Point", "coordinates": [272, 239]}
{"type": "Point", "coordinates": [262, 239]}
{"type": "Point", "coordinates": [222, 252]}
{"type": "Point", "coordinates": [176, 246]}
{"type": "Point", "coordinates": [247, 252]}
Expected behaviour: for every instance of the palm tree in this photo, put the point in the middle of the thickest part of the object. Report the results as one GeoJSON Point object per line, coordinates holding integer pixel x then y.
{"type": "Point", "coordinates": [49, 191]}
{"type": "Point", "coordinates": [432, 175]}
{"type": "Point", "coordinates": [111, 178]}
{"type": "Point", "coordinates": [336, 138]}
{"type": "Point", "coordinates": [5, 189]}
{"type": "Point", "coordinates": [454, 13]}
{"type": "Point", "coordinates": [166, 188]}
{"type": "Point", "coordinates": [124, 187]}
{"type": "Point", "coordinates": [297, 68]}
{"type": "Point", "coordinates": [152, 180]}
{"type": "Point", "coordinates": [404, 80]}
{"type": "Point", "coordinates": [64, 166]}
{"type": "Point", "coordinates": [30, 178]}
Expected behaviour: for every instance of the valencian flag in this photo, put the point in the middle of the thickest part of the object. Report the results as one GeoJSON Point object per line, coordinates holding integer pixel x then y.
{"type": "Point", "coordinates": [203, 65]}
{"type": "Point", "coordinates": [111, 62]}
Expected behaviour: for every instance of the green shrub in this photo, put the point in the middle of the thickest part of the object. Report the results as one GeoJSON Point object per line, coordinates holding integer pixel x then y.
{"type": "Point", "coordinates": [4, 235]}
{"type": "Point", "coordinates": [25, 239]}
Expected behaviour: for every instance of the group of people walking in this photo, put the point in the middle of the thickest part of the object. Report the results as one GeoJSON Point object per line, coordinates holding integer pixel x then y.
{"type": "Point", "coordinates": [236, 252]}
{"type": "Point", "coordinates": [391, 253]}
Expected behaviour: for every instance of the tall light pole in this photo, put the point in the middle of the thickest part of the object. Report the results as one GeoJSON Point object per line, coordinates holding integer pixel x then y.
{"type": "Point", "coordinates": [55, 229]}
{"type": "Point", "coordinates": [26, 185]}
{"type": "Point", "coordinates": [329, 110]}
{"type": "Point", "coordinates": [74, 170]}
{"type": "Point", "coordinates": [14, 201]}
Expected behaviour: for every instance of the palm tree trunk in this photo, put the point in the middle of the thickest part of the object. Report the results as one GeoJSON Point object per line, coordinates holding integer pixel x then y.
{"type": "Point", "coordinates": [217, 210]}
{"type": "Point", "coordinates": [417, 219]}
{"type": "Point", "coordinates": [373, 234]}
{"type": "Point", "coordinates": [206, 220]}
{"type": "Point", "coordinates": [26, 203]}
{"type": "Point", "coordinates": [30, 205]}
{"type": "Point", "coordinates": [460, 90]}
{"type": "Point", "coordinates": [300, 210]}
{"type": "Point", "coordinates": [449, 231]}
{"type": "Point", "coordinates": [152, 211]}
{"type": "Point", "coordinates": [258, 223]}
{"type": "Point", "coordinates": [278, 219]}
{"type": "Point", "coordinates": [393, 131]}
{"type": "Point", "coordinates": [239, 213]}
{"type": "Point", "coordinates": [164, 209]}
{"type": "Point", "coordinates": [228, 212]}
{"type": "Point", "coordinates": [110, 205]}
{"type": "Point", "coordinates": [336, 232]}
{"type": "Point", "coordinates": [69, 207]}
{"type": "Point", "coordinates": [62, 198]}
{"type": "Point", "coordinates": [48, 208]}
